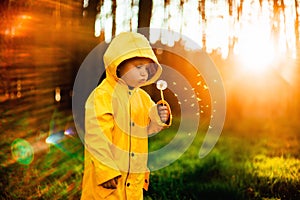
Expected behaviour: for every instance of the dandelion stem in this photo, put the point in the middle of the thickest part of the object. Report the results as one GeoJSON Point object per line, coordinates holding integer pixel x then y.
{"type": "Point", "coordinates": [162, 97]}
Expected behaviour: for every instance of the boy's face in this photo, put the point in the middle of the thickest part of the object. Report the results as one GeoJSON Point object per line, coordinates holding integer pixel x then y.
{"type": "Point", "coordinates": [135, 71]}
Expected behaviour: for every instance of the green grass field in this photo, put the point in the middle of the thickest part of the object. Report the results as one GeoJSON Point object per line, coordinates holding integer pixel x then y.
{"type": "Point", "coordinates": [246, 163]}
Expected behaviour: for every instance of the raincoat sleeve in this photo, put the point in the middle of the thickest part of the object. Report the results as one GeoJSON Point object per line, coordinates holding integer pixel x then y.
{"type": "Point", "coordinates": [98, 137]}
{"type": "Point", "coordinates": [156, 124]}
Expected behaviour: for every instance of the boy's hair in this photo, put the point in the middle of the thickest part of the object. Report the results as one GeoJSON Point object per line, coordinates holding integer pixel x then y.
{"type": "Point", "coordinates": [151, 69]}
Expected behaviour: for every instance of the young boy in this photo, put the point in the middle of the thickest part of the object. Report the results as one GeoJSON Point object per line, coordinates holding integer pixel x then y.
{"type": "Point", "coordinates": [119, 117]}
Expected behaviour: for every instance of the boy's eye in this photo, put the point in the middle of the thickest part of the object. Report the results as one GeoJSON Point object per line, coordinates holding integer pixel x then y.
{"type": "Point", "coordinates": [140, 66]}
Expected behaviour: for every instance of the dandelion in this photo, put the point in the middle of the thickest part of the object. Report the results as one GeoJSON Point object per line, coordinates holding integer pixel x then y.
{"type": "Point", "coordinates": [161, 85]}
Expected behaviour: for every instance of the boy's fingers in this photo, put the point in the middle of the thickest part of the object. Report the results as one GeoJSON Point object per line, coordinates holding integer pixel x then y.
{"type": "Point", "coordinates": [111, 184]}
{"type": "Point", "coordinates": [116, 180]}
{"type": "Point", "coordinates": [163, 109]}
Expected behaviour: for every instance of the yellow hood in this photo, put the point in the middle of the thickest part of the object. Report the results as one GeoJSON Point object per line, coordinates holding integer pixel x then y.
{"type": "Point", "coordinates": [128, 45]}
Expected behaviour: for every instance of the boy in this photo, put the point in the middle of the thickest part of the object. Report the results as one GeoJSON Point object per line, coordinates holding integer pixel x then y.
{"type": "Point", "coordinates": [119, 117]}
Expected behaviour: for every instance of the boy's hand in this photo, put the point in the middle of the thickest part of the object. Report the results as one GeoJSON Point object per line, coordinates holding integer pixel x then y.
{"type": "Point", "coordinates": [163, 113]}
{"type": "Point", "coordinates": [111, 184]}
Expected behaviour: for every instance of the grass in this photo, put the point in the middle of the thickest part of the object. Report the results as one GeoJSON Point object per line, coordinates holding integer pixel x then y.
{"type": "Point", "coordinates": [263, 164]}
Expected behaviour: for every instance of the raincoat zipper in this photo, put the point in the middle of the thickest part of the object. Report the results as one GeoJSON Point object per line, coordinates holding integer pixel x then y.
{"type": "Point", "coordinates": [129, 148]}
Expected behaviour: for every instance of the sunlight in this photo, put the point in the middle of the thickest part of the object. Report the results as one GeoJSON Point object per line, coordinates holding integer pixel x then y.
{"type": "Point", "coordinates": [256, 52]}
{"type": "Point", "coordinates": [192, 28]}
{"type": "Point", "coordinates": [279, 168]}
{"type": "Point", "coordinates": [257, 31]}
{"type": "Point", "coordinates": [157, 20]}
{"type": "Point", "coordinates": [217, 28]}
{"type": "Point", "coordinates": [57, 94]}
{"type": "Point", "coordinates": [126, 15]}
{"type": "Point", "coordinates": [104, 21]}
{"type": "Point", "coordinates": [255, 47]}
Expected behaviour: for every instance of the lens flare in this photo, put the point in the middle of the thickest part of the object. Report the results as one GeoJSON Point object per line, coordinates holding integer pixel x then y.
{"type": "Point", "coordinates": [22, 151]}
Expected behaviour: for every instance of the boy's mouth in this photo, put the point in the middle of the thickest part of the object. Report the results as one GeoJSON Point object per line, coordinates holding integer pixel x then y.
{"type": "Point", "coordinates": [142, 80]}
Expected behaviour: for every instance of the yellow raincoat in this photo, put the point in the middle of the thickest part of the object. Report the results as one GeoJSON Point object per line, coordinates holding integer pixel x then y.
{"type": "Point", "coordinates": [117, 122]}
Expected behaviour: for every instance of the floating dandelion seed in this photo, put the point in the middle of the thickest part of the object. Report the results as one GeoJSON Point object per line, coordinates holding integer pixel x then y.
{"type": "Point", "coordinates": [198, 99]}
{"type": "Point", "coordinates": [201, 111]}
{"type": "Point", "coordinates": [198, 75]}
{"type": "Point", "coordinates": [185, 88]}
{"type": "Point", "coordinates": [199, 83]}
{"type": "Point", "coordinates": [176, 95]}
{"type": "Point", "coordinates": [207, 106]}
{"type": "Point", "coordinates": [205, 87]}
{"type": "Point", "coordinates": [197, 114]}
{"type": "Point", "coordinates": [185, 100]}
{"type": "Point", "coordinates": [192, 105]}
{"type": "Point", "coordinates": [209, 127]}
{"type": "Point", "coordinates": [162, 85]}
{"type": "Point", "coordinates": [193, 96]}
{"type": "Point", "coordinates": [215, 81]}
{"type": "Point", "coordinates": [174, 83]}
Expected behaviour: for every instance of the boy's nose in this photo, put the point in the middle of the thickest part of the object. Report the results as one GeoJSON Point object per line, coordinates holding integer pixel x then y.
{"type": "Point", "coordinates": [144, 72]}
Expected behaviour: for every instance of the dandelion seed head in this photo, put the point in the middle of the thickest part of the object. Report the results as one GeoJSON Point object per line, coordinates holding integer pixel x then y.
{"type": "Point", "coordinates": [161, 85]}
